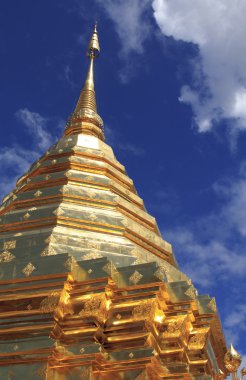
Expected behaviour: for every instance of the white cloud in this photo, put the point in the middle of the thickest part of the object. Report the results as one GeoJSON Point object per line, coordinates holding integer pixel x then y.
{"type": "Point", "coordinates": [235, 323]}
{"type": "Point", "coordinates": [36, 125]}
{"type": "Point", "coordinates": [16, 158]}
{"type": "Point", "coordinates": [218, 29]}
{"type": "Point", "coordinates": [212, 251]}
{"type": "Point", "coordinates": [132, 26]}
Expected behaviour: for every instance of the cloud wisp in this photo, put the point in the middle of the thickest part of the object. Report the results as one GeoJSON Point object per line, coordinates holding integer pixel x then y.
{"type": "Point", "coordinates": [16, 158]}
{"type": "Point", "coordinates": [212, 248]}
{"type": "Point", "coordinates": [133, 27]}
{"type": "Point", "coordinates": [218, 89]}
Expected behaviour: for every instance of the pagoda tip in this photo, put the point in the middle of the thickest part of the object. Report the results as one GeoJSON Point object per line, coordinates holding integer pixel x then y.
{"type": "Point", "coordinates": [93, 49]}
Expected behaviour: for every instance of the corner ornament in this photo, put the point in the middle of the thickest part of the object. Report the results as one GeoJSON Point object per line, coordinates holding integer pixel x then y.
{"type": "Point", "coordinates": [232, 362]}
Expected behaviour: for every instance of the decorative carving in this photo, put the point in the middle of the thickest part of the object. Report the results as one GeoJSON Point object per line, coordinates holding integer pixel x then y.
{"type": "Point", "coordinates": [58, 212]}
{"type": "Point", "coordinates": [197, 342]}
{"type": "Point", "coordinates": [212, 305]}
{"type": "Point", "coordinates": [135, 277]}
{"type": "Point", "coordinates": [11, 244]}
{"type": "Point", "coordinates": [160, 273]}
{"type": "Point", "coordinates": [95, 307]}
{"type": "Point", "coordinates": [191, 292]}
{"type": "Point", "coordinates": [49, 303]}
{"type": "Point", "coordinates": [38, 193]}
{"type": "Point", "coordinates": [26, 216]}
{"type": "Point", "coordinates": [109, 268]}
{"type": "Point", "coordinates": [144, 311]}
{"type": "Point", "coordinates": [131, 355]}
{"type": "Point", "coordinates": [48, 252]}
{"type": "Point", "coordinates": [6, 257]}
{"type": "Point", "coordinates": [175, 328]}
{"type": "Point", "coordinates": [29, 268]}
{"type": "Point", "coordinates": [47, 176]}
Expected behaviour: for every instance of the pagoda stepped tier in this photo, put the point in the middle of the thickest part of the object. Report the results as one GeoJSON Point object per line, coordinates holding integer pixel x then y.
{"type": "Point", "coordinates": [95, 321]}
{"type": "Point", "coordinates": [89, 290]}
{"type": "Point", "coordinates": [77, 199]}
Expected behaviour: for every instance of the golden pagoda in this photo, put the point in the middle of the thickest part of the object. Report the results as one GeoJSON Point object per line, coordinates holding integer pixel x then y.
{"type": "Point", "coordinates": [89, 289]}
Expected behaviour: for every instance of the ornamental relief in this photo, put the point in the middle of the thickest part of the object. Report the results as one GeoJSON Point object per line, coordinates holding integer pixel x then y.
{"type": "Point", "coordinates": [197, 342]}
{"type": "Point", "coordinates": [95, 307]}
{"type": "Point", "coordinates": [175, 328]}
{"type": "Point", "coordinates": [49, 303]}
{"type": "Point", "coordinates": [6, 257]}
{"type": "Point", "coordinates": [145, 310]}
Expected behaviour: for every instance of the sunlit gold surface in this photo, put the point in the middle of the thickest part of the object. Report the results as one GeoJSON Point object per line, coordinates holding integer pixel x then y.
{"type": "Point", "coordinates": [89, 289]}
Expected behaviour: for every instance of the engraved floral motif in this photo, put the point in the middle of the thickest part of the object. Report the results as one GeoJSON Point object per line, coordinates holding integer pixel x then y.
{"type": "Point", "coordinates": [6, 257]}
{"type": "Point", "coordinates": [144, 311]}
{"type": "Point", "coordinates": [160, 273]}
{"type": "Point", "coordinates": [28, 269]}
{"type": "Point", "coordinates": [135, 277]}
{"type": "Point", "coordinates": [38, 193]}
{"type": "Point", "coordinates": [191, 292]}
{"type": "Point", "coordinates": [109, 268]}
{"type": "Point", "coordinates": [11, 244]}
{"type": "Point", "coordinates": [49, 303]}
{"type": "Point", "coordinates": [26, 216]}
{"type": "Point", "coordinates": [58, 212]}
{"type": "Point", "coordinates": [197, 341]}
{"type": "Point", "coordinates": [175, 328]}
{"type": "Point", "coordinates": [48, 252]}
{"type": "Point", "coordinates": [95, 307]}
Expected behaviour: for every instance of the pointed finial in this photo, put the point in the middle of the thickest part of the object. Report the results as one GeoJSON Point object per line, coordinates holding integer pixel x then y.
{"type": "Point", "coordinates": [93, 49]}
{"type": "Point", "coordinates": [232, 359]}
{"type": "Point", "coordinates": [85, 118]}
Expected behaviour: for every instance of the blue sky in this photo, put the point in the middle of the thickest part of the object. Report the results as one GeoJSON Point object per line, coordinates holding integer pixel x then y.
{"type": "Point", "coordinates": [171, 88]}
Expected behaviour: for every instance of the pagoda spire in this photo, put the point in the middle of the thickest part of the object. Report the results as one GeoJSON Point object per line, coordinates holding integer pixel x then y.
{"type": "Point", "coordinates": [85, 118]}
